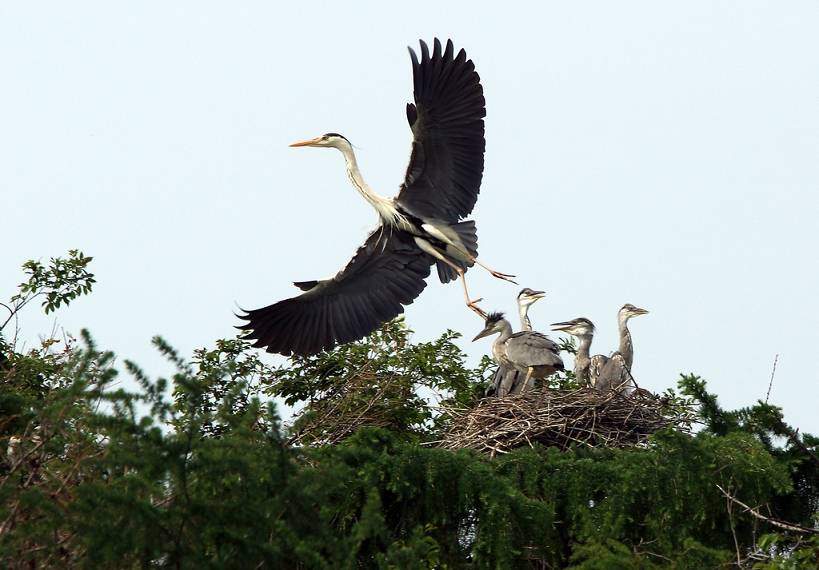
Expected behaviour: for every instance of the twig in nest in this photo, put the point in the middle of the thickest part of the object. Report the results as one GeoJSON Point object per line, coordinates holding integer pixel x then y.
{"type": "Point", "coordinates": [559, 418]}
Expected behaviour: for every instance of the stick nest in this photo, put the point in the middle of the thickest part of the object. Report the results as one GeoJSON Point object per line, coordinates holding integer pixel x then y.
{"type": "Point", "coordinates": [562, 418]}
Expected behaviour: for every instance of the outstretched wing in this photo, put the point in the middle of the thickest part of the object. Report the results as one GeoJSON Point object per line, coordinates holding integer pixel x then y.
{"type": "Point", "coordinates": [387, 272]}
{"type": "Point", "coordinates": [446, 166]}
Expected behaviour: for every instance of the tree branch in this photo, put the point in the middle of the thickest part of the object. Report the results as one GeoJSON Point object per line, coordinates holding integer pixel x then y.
{"type": "Point", "coordinates": [775, 522]}
{"type": "Point", "coordinates": [770, 384]}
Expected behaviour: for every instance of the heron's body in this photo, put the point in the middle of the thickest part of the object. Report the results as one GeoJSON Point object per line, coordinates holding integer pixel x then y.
{"type": "Point", "coordinates": [508, 380]}
{"type": "Point", "coordinates": [626, 348]}
{"type": "Point", "coordinates": [582, 329]}
{"type": "Point", "coordinates": [421, 226]}
{"type": "Point", "coordinates": [532, 354]}
{"type": "Point", "coordinates": [614, 375]}
{"type": "Point", "coordinates": [451, 239]}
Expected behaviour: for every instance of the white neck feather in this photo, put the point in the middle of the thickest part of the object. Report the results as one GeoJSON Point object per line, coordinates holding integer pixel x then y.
{"type": "Point", "coordinates": [525, 323]}
{"type": "Point", "coordinates": [387, 212]}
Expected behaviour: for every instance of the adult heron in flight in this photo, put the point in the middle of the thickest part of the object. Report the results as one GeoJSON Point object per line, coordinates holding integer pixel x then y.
{"type": "Point", "coordinates": [420, 226]}
{"type": "Point", "coordinates": [531, 353]}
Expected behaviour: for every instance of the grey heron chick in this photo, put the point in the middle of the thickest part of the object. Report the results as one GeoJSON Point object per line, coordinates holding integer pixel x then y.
{"type": "Point", "coordinates": [423, 225]}
{"type": "Point", "coordinates": [526, 298]}
{"type": "Point", "coordinates": [531, 353]}
{"type": "Point", "coordinates": [626, 348]}
{"type": "Point", "coordinates": [506, 379]}
{"type": "Point", "coordinates": [604, 373]}
{"type": "Point", "coordinates": [614, 372]}
{"type": "Point", "coordinates": [583, 330]}
{"type": "Point", "coordinates": [615, 375]}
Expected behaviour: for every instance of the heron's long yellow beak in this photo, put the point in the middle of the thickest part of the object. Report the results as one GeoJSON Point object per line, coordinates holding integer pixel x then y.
{"type": "Point", "coordinates": [310, 142]}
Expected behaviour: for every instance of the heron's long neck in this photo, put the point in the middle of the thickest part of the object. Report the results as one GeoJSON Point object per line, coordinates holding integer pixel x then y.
{"type": "Point", "coordinates": [498, 349]}
{"type": "Point", "coordinates": [384, 206]}
{"type": "Point", "coordinates": [582, 360]}
{"type": "Point", "coordinates": [523, 311]}
{"type": "Point", "coordinates": [626, 347]}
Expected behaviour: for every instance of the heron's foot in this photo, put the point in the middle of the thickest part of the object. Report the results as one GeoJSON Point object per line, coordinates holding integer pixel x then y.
{"type": "Point", "coordinates": [504, 276]}
{"type": "Point", "coordinates": [473, 306]}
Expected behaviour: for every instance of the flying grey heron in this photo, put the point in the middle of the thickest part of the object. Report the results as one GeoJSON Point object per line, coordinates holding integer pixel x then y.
{"type": "Point", "coordinates": [582, 329]}
{"type": "Point", "coordinates": [420, 226]}
{"type": "Point", "coordinates": [527, 352]}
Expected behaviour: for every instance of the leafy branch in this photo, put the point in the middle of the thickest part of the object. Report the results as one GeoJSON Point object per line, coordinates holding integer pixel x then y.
{"type": "Point", "coordinates": [62, 281]}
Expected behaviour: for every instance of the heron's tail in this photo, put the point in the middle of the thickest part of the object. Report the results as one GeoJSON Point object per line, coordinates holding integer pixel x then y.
{"type": "Point", "coordinates": [468, 235]}
{"type": "Point", "coordinates": [503, 382]}
{"type": "Point", "coordinates": [465, 234]}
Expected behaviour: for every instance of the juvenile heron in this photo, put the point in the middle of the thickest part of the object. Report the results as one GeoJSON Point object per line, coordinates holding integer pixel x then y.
{"type": "Point", "coordinates": [615, 371]}
{"type": "Point", "coordinates": [626, 348]}
{"type": "Point", "coordinates": [420, 226]}
{"type": "Point", "coordinates": [507, 379]}
{"type": "Point", "coordinates": [583, 330]}
{"type": "Point", "coordinates": [527, 352]}
{"type": "Point", "coordinates": [526, 298]}
{"type": "Point", "coordinates": [604, 373]}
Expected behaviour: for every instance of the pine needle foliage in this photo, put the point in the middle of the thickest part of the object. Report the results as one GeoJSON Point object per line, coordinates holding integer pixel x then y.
{"type": "Point", "coordinates": [197, 471]}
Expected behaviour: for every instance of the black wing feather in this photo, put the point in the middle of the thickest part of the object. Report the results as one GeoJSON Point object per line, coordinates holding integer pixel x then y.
{"type": "Point", "coordinates": [446, 166]}
{"type": "Point", "coordinates": [386, 273]}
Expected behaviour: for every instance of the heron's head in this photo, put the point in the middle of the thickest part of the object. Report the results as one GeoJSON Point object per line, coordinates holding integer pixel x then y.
{"type": "Point", "coordinates": [495, 323]}
{"type": "Point", "coordinates": [528, 297]}
{"type": "Point", "coordinates": [628, 310]}
{"type": "Point", "coordinates": [328, 140]}
{"type": "Point", "coordinates": [581, 327]}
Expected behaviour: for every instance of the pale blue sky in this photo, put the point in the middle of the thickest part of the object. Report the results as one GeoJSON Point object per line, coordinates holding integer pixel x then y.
{"type": "Point", "coordinates": [653, 153]}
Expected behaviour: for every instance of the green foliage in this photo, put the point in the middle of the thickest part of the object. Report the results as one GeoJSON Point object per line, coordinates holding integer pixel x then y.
{"type": "Point", "coordinates": [196, 471]}
{"type": "Point", "coordinates": [384, 380]}
{"type": "Point", "coordinates": [60, 283]}
{"type": "Point", "coordinates": [790, 553]}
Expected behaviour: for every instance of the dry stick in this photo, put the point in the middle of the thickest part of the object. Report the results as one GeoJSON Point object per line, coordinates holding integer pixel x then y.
{"type": "Point", "coordinates": [729, 505]}
{"type": "Point", "coordinates": [770, 384]}
{"type": "Point", "coordinates": [557, 418]}
{"type": "Point", "coordinates": [776, 522]}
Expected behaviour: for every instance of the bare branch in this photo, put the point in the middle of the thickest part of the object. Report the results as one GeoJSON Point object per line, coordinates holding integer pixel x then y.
{"type": "Point", "coordinates": [770, 384]}
{"type": "Point", "coordinates": [775, 522]}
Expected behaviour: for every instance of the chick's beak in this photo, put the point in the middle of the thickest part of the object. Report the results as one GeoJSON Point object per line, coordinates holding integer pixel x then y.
{"type": "Point", "coordinates": [311, 142]}
{"type": "Point", "coordinates": [560, 326]}
{"type": "Point", "coordinates": [485, 332]}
